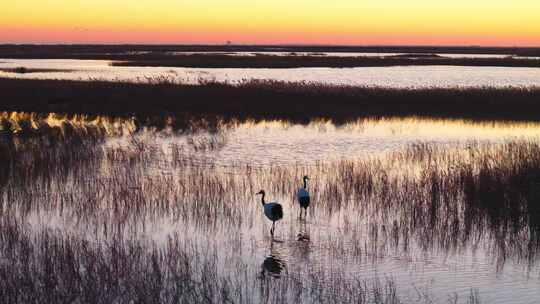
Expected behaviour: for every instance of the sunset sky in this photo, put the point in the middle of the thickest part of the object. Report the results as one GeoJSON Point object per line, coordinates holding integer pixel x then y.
{"type": "Point", "coordinates": [359, 22]}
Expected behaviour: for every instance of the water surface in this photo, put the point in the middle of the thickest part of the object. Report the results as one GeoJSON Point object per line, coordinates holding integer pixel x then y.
{"type": "Point", "coordinates": [398, 76]}
{"type": "Point", "coordinates": [283, 143]}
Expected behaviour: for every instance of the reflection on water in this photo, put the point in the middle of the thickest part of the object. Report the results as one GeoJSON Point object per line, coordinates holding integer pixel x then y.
{"type": "Point", "coordinates": [435, 206]}
{"type": "Point", "coordinates": [279, 142]}
{"type": "Point", "coordinates": [399, 76]}
{"type": "Point", "coordinates": [303, 234]}
{"type": "Point", "coordinates": [273, 264]}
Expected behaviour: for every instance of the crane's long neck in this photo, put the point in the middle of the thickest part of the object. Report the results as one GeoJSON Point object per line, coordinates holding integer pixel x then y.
{"type": "Point", "coordinates": [262, 199]}
{"type": "Point", "coordinates": [305, 183]}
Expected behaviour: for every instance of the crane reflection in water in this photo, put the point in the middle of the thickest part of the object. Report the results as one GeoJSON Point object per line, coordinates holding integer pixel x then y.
{"type": "Point", "coordinates": [273, 265]}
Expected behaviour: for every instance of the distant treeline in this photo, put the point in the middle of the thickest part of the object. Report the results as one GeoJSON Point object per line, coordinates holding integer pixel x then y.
{"type": "Point", "coordinates": [265, 100]}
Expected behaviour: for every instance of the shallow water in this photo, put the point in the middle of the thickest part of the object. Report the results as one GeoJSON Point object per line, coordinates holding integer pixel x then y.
{"type": "Point", "coordinates": [337, 239]}
{"type": "Point", "coordinates": [398, 77]}
{"type": "Point", "coordinates": [283, 143]}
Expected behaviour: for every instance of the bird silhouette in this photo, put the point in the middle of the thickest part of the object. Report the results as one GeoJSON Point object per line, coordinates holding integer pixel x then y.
{"type": "Point", "coordinates": [303, 197]}
{"type": "Point", "coordinates": [273, 211]}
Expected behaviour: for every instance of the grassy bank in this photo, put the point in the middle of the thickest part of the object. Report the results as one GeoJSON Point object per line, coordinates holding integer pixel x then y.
{"type": "Point", "coordinates": [265, 100]}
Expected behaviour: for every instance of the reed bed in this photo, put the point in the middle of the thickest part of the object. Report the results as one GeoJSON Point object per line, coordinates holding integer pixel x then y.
{"type": "Point", "coordinates": [85, 220]}
{"type": "Point", "coordinates": [153, 100]}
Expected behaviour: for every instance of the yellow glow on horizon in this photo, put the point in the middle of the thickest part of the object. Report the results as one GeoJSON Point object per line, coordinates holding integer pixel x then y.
{"type": "Point", "coordinates": [278, 21]}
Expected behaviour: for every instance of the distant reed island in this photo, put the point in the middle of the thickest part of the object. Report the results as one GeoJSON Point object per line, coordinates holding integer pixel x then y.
{"type": "Point", "coordinates": [317, 61]}
{"type": "Point", "coordinates": [219, 56]}
{"type": "Point", "coordinates": [299, 102]}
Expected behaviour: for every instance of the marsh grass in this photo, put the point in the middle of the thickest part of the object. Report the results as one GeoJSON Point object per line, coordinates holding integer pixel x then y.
{"type": "Point", "coordinates": [153, 100]}
{"type": "Point", "coordinates": [138, 221]}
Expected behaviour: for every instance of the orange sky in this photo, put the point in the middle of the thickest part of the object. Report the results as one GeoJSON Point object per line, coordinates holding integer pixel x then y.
{"type": "Point", "coordinates": [361, 22]}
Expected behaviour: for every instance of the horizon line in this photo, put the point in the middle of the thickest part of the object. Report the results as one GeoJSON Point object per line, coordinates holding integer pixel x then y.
{"type": "Point", "coordinates": [272, 45]}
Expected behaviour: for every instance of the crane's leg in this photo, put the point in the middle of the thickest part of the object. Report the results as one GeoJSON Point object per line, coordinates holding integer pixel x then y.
{"type": "Point", "coordinates": [300, 214]}
{"type": "Point", "coordinates": [272, 230]}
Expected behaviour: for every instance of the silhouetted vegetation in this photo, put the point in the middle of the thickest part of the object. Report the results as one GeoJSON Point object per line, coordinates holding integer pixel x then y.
{"type": "Point", "coordinates": [299, 102]}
